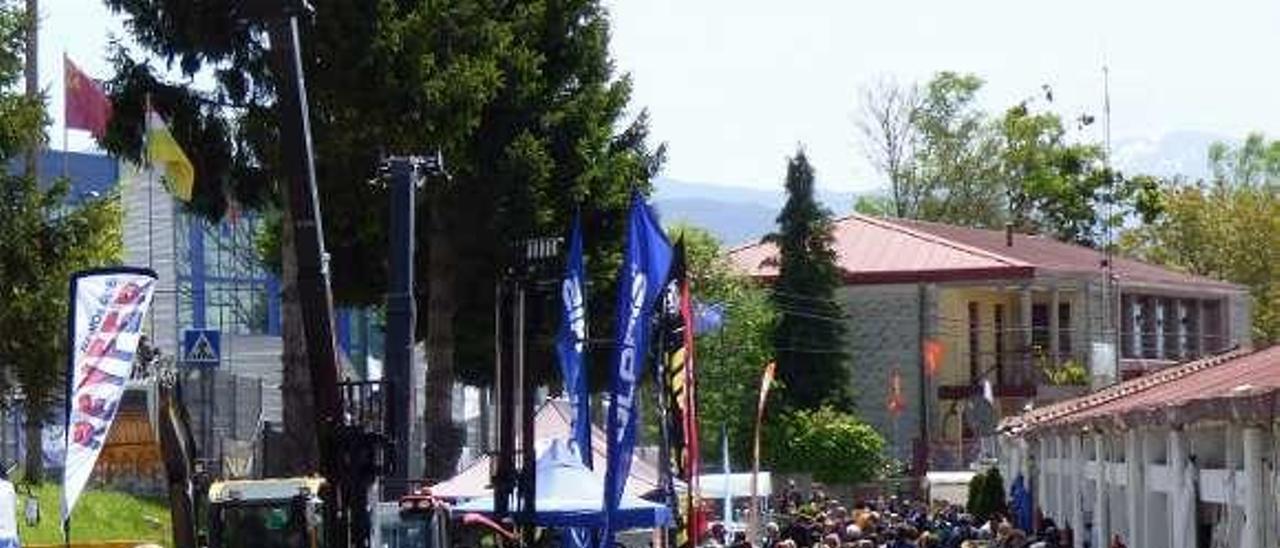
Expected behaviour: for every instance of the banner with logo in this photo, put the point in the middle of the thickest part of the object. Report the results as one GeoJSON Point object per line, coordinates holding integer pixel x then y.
{"type": "Point", "coordinates": [570, 346]}
{"type": "Point", "coordinates": [107, 309]}
{"type": "Point", "coordinates": [571, 342]}
{"type": "Point", "coordinates": [645, 265]}
{"type": "Point", "coordinates": [677, 371]}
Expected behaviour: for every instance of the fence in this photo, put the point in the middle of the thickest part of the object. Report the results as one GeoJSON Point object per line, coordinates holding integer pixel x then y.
{"type": "Point", "coordinates": [226, 420]}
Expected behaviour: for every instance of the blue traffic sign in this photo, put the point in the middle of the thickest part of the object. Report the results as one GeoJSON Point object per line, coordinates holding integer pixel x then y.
{"type": "Point", "coordinates": [202, 347]}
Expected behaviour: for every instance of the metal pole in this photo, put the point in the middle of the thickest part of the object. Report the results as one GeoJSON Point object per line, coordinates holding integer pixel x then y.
{"type": "Point", "coordinates": [664, 448]}
{"type": "Point", "coordinates": [527, 387]}
{"type": "Point", "coordinates": [504, 473]}
{"type": "Point", "coordinates": [313, 273]}
{"type": "Point", "coordinates": [924, 382]}
{"type": "Point", "coordinates": [401, 318]}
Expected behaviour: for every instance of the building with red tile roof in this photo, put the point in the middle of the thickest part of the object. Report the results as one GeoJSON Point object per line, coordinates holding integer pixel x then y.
{"type": "Point", "coordinates": [1035, 318]}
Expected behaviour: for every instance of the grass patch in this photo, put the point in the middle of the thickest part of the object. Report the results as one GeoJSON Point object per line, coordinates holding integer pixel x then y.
{"type": "Point", "coordinates": [98, 516]}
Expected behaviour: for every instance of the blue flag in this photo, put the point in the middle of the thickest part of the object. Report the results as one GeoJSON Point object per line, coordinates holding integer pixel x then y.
{"type": "Point", "coordinates": [645, 265]}
{"type": "Point", "coordinates": [571, 341]}
{"type": "Point", "coordinates": [570, 344]}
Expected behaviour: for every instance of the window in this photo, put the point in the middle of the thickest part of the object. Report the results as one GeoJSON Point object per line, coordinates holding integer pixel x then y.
{"type": "Point", "coordinates": [975, 342]}
{"type": "Point", "coordinates": [1039, 329]}
{"type": "Point", "coordinates": [999, 336]}
{"type": "Point", "coordinates": [1064, 330]}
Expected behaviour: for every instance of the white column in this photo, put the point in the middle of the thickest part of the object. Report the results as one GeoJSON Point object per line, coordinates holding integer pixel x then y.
{"type": "Point", "coordinates": [1135, 489]}
{"type": "Point", "coordinates": [1077, 491]}
{"type": "Point", "coordinates": [1255, 489]}
{"type": "Point", "coordinates": [1024, 460]}
{"type": "Point", "coordinates": [1063, 507]}
{"type": "Point", "coordinates": [1042, 476]}
{"type": "Point", "coordinates": [1101, 514]}
{"type": "Point", "coordinates": [1179, 497]}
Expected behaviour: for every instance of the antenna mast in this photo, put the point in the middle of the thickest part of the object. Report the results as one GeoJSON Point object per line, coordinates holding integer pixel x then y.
{"type": "Point", "coordinates": [1111, 320]}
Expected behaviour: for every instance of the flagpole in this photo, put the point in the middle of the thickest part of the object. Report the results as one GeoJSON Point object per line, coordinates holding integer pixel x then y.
{"type": "Point", "coordinates": [151, 184]}
{"type": "Point", "coordinates": [753, 520]}
{"type": "Point", "coordinates": [66, 150]}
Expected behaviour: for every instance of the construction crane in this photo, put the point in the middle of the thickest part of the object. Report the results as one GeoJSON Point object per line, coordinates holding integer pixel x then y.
{"type": "Point", "coordinates": [335, 509]}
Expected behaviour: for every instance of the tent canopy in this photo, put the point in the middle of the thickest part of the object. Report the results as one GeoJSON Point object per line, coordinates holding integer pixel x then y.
{"type": "Point", "coordinates": [713, 486]}
{"type": "Point", "coordinates": [569, 495]}
{"type": "Point", "coordinates": [551, 422]}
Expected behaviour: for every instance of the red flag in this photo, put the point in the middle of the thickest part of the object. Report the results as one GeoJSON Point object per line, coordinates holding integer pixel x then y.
{"type": "Point", "coordinates": [932, 356]}
{"type": "Point", "coordinates": [87, 106]}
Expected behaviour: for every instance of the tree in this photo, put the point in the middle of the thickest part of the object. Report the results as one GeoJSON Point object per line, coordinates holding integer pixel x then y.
{"type": "Point", "coordinates": [42, 242]}
{"type": "Point", "coordinates": [1050, 184]}
{"type": "Point", "coordinates": [1224, 229]}
{"type": "Point", "coordinates": [808, 337]}
{"type": "Point", "coordinates": [729, 357]}
{"type": "Point", "coordinates": [520, 98]}
{"type": "Point", "coordinates": [955, 154]}
{"type": "Point", "coordinates": [835, 447]}
{"type": "Point", "coordinates": [949, 161]}
{"type": "Point", "coordinates": [889, 136]}
{"type": "Point", "coordinates": [986, 495]}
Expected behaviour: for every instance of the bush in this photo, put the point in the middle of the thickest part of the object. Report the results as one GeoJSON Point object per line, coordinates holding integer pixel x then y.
{"type": "Point", "coordinates": [834, 447]}
{"type": "Point", "coordinates": [986, 495]}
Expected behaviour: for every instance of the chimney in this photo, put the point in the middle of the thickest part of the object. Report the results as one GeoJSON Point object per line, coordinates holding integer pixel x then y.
{"type": "Point", "coordinates": [1008, 234]}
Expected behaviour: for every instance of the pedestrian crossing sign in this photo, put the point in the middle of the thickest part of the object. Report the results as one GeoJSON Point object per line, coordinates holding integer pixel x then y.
{"type": "Point", "coordinates": [202, 347]}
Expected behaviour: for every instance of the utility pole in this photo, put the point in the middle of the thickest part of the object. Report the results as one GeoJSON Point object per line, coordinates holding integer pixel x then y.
{"type": "Point", "coordinates": [407, 174]}
{"type": "Point", "coordinates": [401, 319]}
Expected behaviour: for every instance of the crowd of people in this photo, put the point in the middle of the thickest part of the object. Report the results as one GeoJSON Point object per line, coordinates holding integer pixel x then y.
{"type": "Point", "coordinates": [819, 521]}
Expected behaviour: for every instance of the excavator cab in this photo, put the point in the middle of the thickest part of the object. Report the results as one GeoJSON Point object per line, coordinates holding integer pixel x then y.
{"type": "Point", "coordinates": [268, 513]}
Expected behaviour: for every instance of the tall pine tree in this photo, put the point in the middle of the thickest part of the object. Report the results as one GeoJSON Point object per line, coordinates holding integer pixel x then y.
{"type": "Point", "coordinates": [809, 334]}
{"type": "Point", "coordinates": [520, 97]}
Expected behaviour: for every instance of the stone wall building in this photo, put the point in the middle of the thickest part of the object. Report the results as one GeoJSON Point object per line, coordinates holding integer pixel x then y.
{"type": "Point", "coordinates": [941, 311]}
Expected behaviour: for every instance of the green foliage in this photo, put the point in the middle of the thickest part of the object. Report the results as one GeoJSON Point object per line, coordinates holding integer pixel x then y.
{"type": "Point", "coordinates": [1068, 373]}
{"type": "Point", "coordinates": [808, 337]}
{"type": "Point", "coordinates": [952, 168]}
{"type": "Point", "coordinates": [876, 206]}
{"type": "Point", "coordinates": [731, 359]}
{"type": "Point", "coordinates": [834, 446]}
{"type": "Point", "coordinates": [520, 98]}
{"type": "Point", "coordinates": [986, 495]}
{"type": "Point", "coordinates": [99, 516]}
{"type": "Point", "coordinates": [949, 161]}
{"type": "Point", "coordinates": [1226, 229]}
{"type": "Point", "coordinates": [42, 242]}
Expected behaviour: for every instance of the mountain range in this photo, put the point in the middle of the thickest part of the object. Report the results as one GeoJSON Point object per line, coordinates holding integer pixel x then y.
{"type": "Point", "coordinates": [735, 215]}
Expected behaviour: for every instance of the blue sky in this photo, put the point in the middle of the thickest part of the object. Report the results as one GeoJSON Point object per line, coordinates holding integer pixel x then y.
{"type": "Point", "coordinates": [733, 86]}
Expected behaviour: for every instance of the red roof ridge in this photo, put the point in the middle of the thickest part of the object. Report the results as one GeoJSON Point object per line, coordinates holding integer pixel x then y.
{"type": "Point", "coordinates": [746, 246]}
{"type": "Point", "coordinates": [1119, 390]}
{"type": "Point", "coordinates": [932, 238]}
